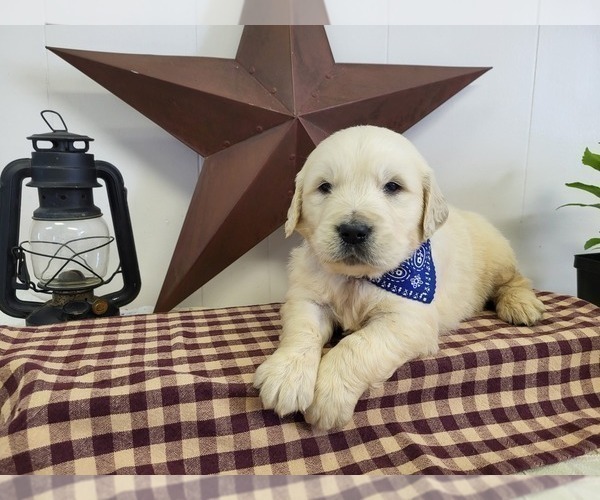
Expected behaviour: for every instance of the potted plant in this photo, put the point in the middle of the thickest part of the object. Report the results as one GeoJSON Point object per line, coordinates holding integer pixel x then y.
{"type": "Point", "coordinates": [588, 264]}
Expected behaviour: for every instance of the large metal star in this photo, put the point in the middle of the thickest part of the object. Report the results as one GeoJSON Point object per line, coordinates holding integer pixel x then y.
{"type": "Point", "coordinates": [255, 119]}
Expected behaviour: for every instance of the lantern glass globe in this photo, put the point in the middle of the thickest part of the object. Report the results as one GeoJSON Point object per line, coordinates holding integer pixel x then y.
{"type": "Point", "coordinates": [70, 254]}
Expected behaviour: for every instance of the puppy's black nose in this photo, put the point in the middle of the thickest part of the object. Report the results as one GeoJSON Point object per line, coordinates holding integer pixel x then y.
{"type": "Point", "coordinates": [354, 233]}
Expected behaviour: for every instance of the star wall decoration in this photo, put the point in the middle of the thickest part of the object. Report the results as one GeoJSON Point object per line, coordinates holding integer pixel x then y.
{"type": "Point", "coordinates": [255, 119]}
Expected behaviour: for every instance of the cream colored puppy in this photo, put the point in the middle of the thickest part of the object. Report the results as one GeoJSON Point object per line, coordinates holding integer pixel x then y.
{"type": "Point", "coordinates": [387, 260]}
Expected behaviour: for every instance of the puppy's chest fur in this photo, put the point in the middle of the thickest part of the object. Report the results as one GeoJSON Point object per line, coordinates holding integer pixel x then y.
{"type": "Point", "coordinates": [350, 302]}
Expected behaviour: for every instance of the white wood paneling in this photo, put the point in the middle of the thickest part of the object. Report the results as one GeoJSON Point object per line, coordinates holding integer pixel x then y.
{"type": "Point", "coordinates": [565, 120]}
{"type": "Point", "coordinates": [504, 146]}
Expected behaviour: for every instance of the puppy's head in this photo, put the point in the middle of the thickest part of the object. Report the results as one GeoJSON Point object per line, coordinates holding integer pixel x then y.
{"type": "Point", "coordinates": [365, 199]}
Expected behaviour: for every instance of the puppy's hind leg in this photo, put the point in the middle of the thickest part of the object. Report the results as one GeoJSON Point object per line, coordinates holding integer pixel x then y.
{"type": "Point", "coordinates": [516, 302]}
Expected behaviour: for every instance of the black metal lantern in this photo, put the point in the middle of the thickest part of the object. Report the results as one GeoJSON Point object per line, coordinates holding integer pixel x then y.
{"type": "Point", "coordinates": [69, 242]}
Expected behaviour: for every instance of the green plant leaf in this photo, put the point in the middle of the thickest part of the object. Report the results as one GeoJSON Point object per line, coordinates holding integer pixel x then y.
{"type": "Point", "coordinates": [593, 205]}
{"type": "Point", "coordinates": [591, 159]}
{"type": "Point", "coordinates": [595, 190]}
{"type": "Point", "coordinates": [591, 243]}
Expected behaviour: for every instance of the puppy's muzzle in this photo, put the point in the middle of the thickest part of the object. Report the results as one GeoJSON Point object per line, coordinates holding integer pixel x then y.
{"type": "Point", "coordinates": [354, 233]}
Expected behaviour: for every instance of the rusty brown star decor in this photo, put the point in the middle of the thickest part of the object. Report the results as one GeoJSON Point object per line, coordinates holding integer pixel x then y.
{"type": "Point", "coordinates": [255, 119]}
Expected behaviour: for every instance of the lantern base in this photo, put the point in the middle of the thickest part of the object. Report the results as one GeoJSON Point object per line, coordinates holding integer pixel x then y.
{"type": "Point", "coordinates": [71, 307]}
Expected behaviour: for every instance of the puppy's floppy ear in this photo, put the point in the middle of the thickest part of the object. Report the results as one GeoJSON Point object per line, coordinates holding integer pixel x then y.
{"type": "Point", "coordinates": [435, 208]}
{"type": "Point", "coordinates": [295, 210]}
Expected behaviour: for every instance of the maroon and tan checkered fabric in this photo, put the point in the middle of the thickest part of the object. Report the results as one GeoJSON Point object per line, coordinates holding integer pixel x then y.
{"type": "Point", "coordinates": [172, 393]}
{"type": "Point", "coordinates": [180, 487]}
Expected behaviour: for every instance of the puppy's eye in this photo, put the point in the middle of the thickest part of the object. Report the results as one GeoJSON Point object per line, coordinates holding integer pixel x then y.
{"type": "Point", "coordinates": [392, 188]}
{"type": "Point", "coordinates": [325, 188]}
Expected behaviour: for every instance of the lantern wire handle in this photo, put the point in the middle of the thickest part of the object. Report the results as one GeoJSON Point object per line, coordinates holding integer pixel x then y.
{"type": "Point", "coordinates": [65, 129]}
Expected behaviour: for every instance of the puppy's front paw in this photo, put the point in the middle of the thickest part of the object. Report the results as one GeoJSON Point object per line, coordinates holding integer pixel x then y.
{"type": "Point", "coordinates": [520, 306]}
{"type": "Point", "coordinates": [335, 397]}
{"type": "Point", "coordinates": [287, 380]}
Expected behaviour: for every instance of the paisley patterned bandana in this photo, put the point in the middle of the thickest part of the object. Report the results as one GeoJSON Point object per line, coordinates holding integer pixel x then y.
{"type": "Point", "coordinates": [414, 278]}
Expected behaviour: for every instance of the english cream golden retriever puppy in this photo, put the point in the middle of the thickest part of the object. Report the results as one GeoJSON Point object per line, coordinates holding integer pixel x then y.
{"type": "Point", "coordinates": [386, 260]}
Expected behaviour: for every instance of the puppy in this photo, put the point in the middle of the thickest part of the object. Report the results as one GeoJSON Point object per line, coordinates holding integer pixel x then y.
{"type": "Point", "coordinates": [387, 260]}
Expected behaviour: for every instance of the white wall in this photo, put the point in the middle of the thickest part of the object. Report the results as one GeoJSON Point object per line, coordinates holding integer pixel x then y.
{"type": "Point", "coordinates": [504, 146]}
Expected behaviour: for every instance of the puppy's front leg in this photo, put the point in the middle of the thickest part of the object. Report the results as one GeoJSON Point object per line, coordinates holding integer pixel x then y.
{"type": "Point", "coordinates": [366, 358]}
{"type": "Point", "coordinates": [287, 378]}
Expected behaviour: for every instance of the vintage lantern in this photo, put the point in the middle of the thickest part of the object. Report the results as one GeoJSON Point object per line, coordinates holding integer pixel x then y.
{"type": "Point", "coordinates": [69, 242]}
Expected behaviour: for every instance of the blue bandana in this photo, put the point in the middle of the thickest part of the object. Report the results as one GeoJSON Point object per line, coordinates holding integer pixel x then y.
{"type": "Point", "coordinates": [414, 278]}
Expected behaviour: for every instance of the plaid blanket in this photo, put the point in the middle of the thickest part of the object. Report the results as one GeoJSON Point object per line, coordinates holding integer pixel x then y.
{"type": "Point", "coordinates": [172, 394]}
{"type": "Point", "coordinates": [297, 487]}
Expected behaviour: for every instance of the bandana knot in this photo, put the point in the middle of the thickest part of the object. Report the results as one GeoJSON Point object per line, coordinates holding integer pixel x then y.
{"type": "Point", "coordinates": [414, 278]}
